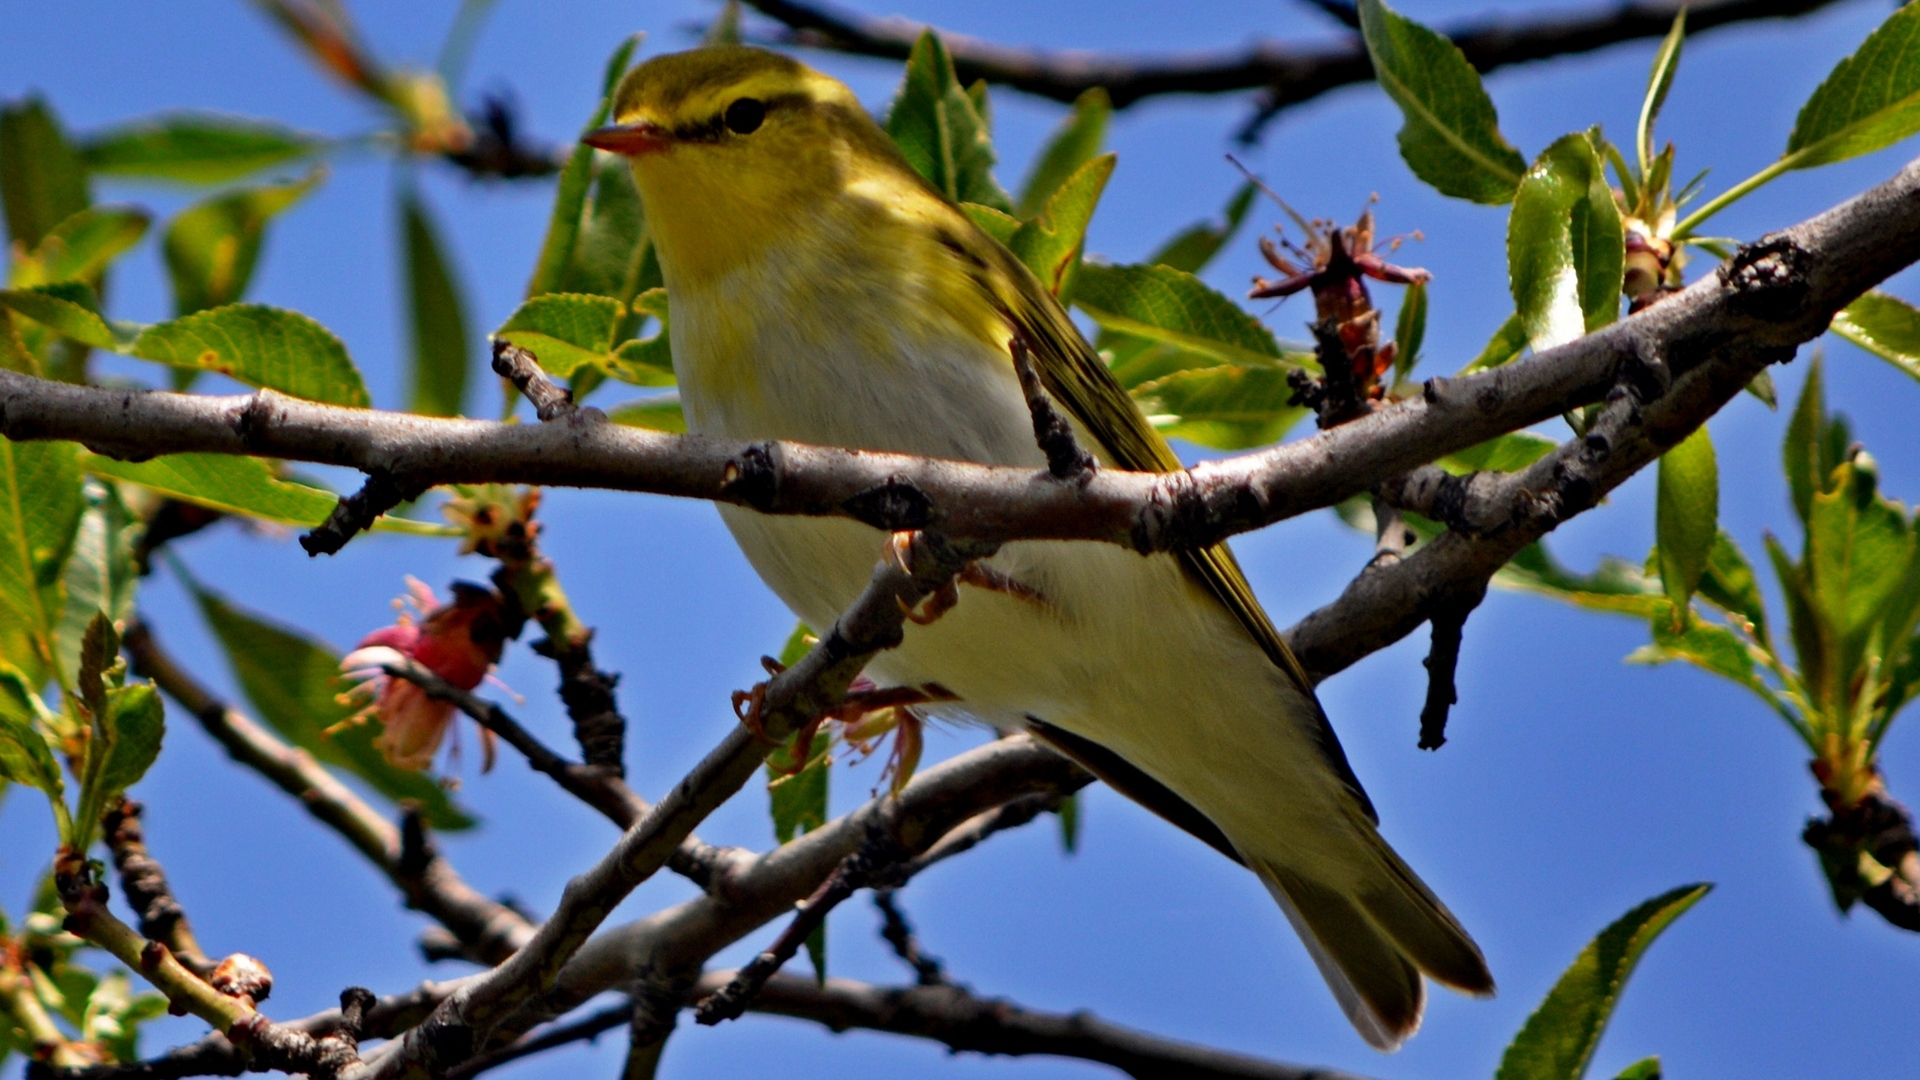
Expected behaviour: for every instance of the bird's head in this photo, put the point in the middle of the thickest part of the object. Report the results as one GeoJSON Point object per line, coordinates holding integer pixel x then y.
{"type": "Point", "coordinates": [732, 148]}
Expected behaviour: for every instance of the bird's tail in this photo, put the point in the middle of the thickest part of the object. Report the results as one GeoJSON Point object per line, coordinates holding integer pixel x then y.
{"type": "Point", "coordinates": [1373, 941]}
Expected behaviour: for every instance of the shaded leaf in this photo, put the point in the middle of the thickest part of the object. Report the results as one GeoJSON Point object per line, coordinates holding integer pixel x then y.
{"type": "Point", "coordinates": [1871, 100]}
{"type": "Point", "coordinates": [725, 29]}
{"type": "Point", "coordinates": [437, 326]}
{"type": "Point", "coordinates": [293, 682]}
{"type": "Point", "coordinates": [135, 722]}
{"type": "Point", "coordinates": [25, 757]}
{"type": "Point", "coordinates": [1409, 330]}
{"type": "Point", "coordinates": [42, 182]}
{"type": "Point", "coordinates": [611, 256]}
{"type": "Point", "coordinates": [71, 309]}
{"type": "Point", "coordinates": [1069, 814]}
{"type": "Point", "coordinates": [1506, 345]}
{"type": "Point", "coordinates": [1173, 307]}
{"type": "Point", "coordinates": [1644, 1069]}
{"type": "Point", "coordinates": [1227, 407]}
{"type": "Point", "coordinates": [224, 482]}
{"type": "Point", "coordinates": [1565, 245]}
{"type": "Point", "coordinates": [79, 248]}
{"type": "Point", "coordinates": [1814, 445]}
{"type": "Point", "coordinates": [1076, 141]}
{"type": "Point", "coordinates": [661, 413]}
{"type": "Point", "coordinates": [1811, 647]}
{"type": "Point", "coordinates": [1050, 244]}
{"type": "Point", "coordinates": [941, 131]}
{"type": "Point", "coordinates": [1558, 1040]}
{"type": "Point", "coordinates": [1451, 138]}
{"type": "Point", "coordinates": [1731, 585]}
{"type": "Point", "coordinates": [211, 247]}
{"type": "Point", "coordinates": [1687, 514]}
{"type": "Point", "coordinates": [1886, 326]}
{"type": "Point", "coordinates": [100, 576]}
{"type": "Point", "coordinates": [40, 509]}
{"type": "Point", "coordinates": [1615, 586]}
{"type": "Point", "coordinates": [1859, 546]}
{"type": "Point", "coordinates": [1707, 645]}
{"type": "Point", "coordinates": [995, 223]}
{"type": "Point", "coordinates": [569, 199]}
{"type": "Point", "coordinates": [194, 148]}
{"type": "Point", "coordinates": [1194, 247]}
{"type": "Point", "coordinates": [1505, 453]}
{"type": "Point", "coordinates": [260, 346]}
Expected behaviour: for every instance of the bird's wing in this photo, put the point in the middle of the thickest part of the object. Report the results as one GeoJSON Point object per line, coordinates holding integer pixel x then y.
{"type": "Point", "coordinates": [1073, 374]}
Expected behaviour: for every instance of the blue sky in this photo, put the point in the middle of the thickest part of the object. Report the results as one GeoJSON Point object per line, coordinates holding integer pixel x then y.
{"type": "Point", "coordinates": [1572, 787]}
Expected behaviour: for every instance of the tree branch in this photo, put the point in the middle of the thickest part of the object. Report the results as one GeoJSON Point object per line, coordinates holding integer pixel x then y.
{"type": "Point", "coordinates": [1833, 259]}
{"type": "Point", "coordinates": [1286, 74]}
{"type": "Point", "coordinates": [144, 884]}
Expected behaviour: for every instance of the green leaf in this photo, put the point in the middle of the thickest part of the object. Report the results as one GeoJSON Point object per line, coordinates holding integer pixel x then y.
{"type": "Point", "coordinates": [941, 131]}
{"type": "Point", "coordinates": [1810, 644]}
{"type": "Point", "coordinates": [40, 509]}
{"type": "Point", "coordinates": [1731, 585]}
{"type": "Point", "coordinates": [1886, 326]}
{"type": "Point", "coordinates": [194, 148]}
{"type": "Point", "coordinates": [995, 223]}
{"type": "Point", "coordinates": [1074, 143]}
{"type": "Point", "coordinates": [438, 323]}
{"type": "Point", "coordinates": [563, 225]}
{"type": "Point", "coordinates": [212, 246]}
{"type": "Point", "coordinates": [567, 331]}
{"type": "Point", "coordinates": [25, 757]}
{"type": "Point", "coordinates": [647, 361]}
{"type": "Point", "coordinates": [1615, 586]}
{"type": "Point", "coordinates": [1707, 645]}
{"type": "Point", "coordinates": [1069, 814]}
{"type": "Point", "coordinates": [1666, 61]}
{"type": "Point", "coordinates": [1809, 451]}
{"type": "Point", "coordinates": [1859, 545]}
{"type": "Point", "coordinates": [1505, 453]}
{"type": "Point", "coordinates": [71, 309]}
{"type": "Point", "coordinates": [1050, 244]}
{"type": "Point", "coordinates": [293, 682]}
{"type": "Point", "coordinates": [1644, 1069]}
{"type": "Point", "coordinates": [1871, 100]}
{"type": "Point", "coordinates": [1228, 407]}
{"type": "Point", "coordinates": [114, 1015]}
{"type": "Point", "coordinates": [42, 182]}
{"type": "Point", "coordinates": [1687, 514]}
{"type": "Point", "coordinates": [612, 256]}
{"type": "Point", "coordinates": [1409, 330]}
{"type": "Point", "coordinates": [1507, 344]}
{"type": "Point", "coordinates": [79, 248]}
{"type": "Point", "coordinates": [135, 723]}
{"type": "Point", "coordinates": [100, 576]}
{"type": "Point", "coordinates": [726, 26]}
{"type": "Point", "coordinates": [260, 346]}
{"type": "Point", "coordinates": [1194, 247]}
{"type": "Point", "coordinates": [1565, 245]}
{"type": "Point", "coordinates": [660, 413]}
{"type": "Point", "coordinates": [1559, 1038]}
{"type": "Point", "coordinates": [1451, 138]}
{"type": "Point", "coordinates": [1173, 307]}
{"type": "Point", "coordinates": [797, 775]}
{"type": "Point", "coordinates": [224, 482]}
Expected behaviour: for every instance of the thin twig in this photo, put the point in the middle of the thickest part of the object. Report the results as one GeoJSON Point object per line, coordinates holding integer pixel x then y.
{"type": "Point", "coordinates": [144, 884]}
{"type": "Point", "coordinates": [1067, 461]}
{"type": "Point", "coordinates": [549, 399]}
{"type": "Point", "coordinates": [356, 513]}
{"type": "Point", "coordinates": [897, 932]}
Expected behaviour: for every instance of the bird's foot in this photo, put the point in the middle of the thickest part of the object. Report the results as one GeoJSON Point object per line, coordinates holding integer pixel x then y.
{"type": "Point", "coordinates": [977, 574]}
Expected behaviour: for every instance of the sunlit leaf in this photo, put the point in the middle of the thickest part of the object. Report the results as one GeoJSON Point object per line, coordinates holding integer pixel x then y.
{"type": "Point", "coordinates": [1565, 252]}
{"type": "Point", "coordinates": [611, 256]}
{"type": "Point", "coordinates": [1451, 138]}
{"type": "Point", "coordinates": [940, 130]}
{"type": "Point", "coordinates": [1815, 444]}
{"type": "Point", "coordinates": [1559, 1038]}
{"type": "Point", "coordinates": [42, 182]}
{"type": "Point", "coordinates": [1859, 545]}
{"type": "Point", "coordinates": [260, 346]}
{"type": "Point", "coordinates": [1871, 100]}
{"type": "Point", "coordinates": [211, 247]}
{"type": "Point", "coordinates": [71, 309]}
{"type": "Point", "coordinates": [1730, 584]}
{"type": "Point", "coordinates": [79, 248]}
{"type": "Point", "coordinates": [1687, 514]}
{"type": "Point", "coordinates": [567, 331]}
{"type": "Point", "coordinates": [1644, 1069]}
{"type": "Point", "coordinates": [100, 576]}
{"type": "Point", "coordinates": [293, 682]}
{"type": "Point", "coordinates": [1616, 586]}
{"type": "Point", "coordinates": [563, 224]}
{"type": "Point", "coordinates": [194, 148]}
{"type": "Point", "coordinates": [136, 723]}
{"type": "Point", "coordinates": [1050, 244]}
{"type": "Point", "coordinates": [1707, 645]}
{"type": "Point", "coordinates": [661, 413]}
{"type": "Point", "coordinates": [1505, 453]}
{"type": "Point", "coordinates": [1884, 325]}
{"type": "Point", "coordinates": [1174, 307]}
{"type": "Point", "coordinates": [1409, 330]}
{"type": "Point", "coordinates": [438, 323]}
{"type": "Point", "coordinates": [1508, 342]}
{"type": "Point", "coordinates": [995, 223]}
{"type": "Point", "coordinates": [647, 361]}
{"type": "Point", "coordinates": [1666, 61]}
{"type": "Point", "coordinates": [1074, 143]}
{"type": "Point", "coordinates": [25, 757]}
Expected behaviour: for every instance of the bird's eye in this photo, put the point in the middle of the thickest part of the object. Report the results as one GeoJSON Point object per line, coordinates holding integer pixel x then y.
{"type": "Point", "coordinates": [745, 116]}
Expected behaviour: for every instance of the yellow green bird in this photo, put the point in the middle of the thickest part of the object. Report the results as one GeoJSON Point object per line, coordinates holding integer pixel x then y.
{"type": "Point", "coordinates": [823, 292]}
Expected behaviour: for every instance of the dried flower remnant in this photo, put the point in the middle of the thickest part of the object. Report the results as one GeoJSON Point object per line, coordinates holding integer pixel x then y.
{"type": "Point", "coordinates": [1333, 266]}
{"type": "Point", "coordinates": [460, 642]}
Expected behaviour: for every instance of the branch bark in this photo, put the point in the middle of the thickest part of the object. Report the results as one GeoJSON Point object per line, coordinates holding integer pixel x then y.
{"type": "Point", "coordinates": [1287, 74]}
{"type": "Point", "coordinates": [1775, 294]}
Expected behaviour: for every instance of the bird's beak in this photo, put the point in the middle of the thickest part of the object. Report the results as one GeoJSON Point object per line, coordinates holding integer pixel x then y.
{"type": "Point", "coordinates": [629, 140]}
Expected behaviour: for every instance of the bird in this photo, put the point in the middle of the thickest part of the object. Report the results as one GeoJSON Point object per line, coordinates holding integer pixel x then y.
{"type": "Point", "coordinates": [821, 291]}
